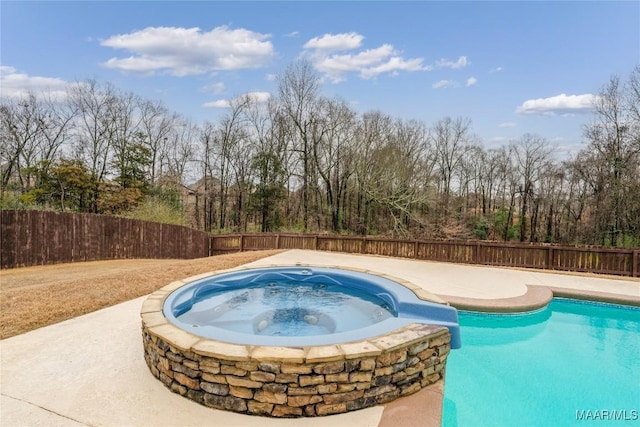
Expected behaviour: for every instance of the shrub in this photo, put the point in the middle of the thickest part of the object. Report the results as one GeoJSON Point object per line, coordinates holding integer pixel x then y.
{"type": "Point", "coordinates": [157, 210]}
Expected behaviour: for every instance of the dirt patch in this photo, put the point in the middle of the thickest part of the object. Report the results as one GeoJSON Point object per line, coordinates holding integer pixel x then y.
{"type": "Point", "coordinates": [34, 297]}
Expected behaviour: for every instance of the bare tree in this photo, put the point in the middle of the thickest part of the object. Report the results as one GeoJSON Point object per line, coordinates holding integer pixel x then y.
{"type": "Point", "coordinates": [33, 130]}
{"type": "Point", "coordinates": [507, 183]}
{"type": "Point", "coordinates": [229, 134]}
{"type": "Point", "coordinates": [373, 131]}
{"type": "Point", "coordinates": [156, 125]}
{"type": "Point", "coordinates": [206, 139]}
{"type": "Point", "coordinates": [551, 197]}
{"type": "Point", "coordinates": [333, 157]}
{"type": "Point", "coordinates": [20, 130]}
{"type": "Point", "coordinates": [127, 141]}
{"type": "Point", "coordinates": [298, 93]}
{"type": "Point", "coordinates": [181, 151]}
{"type": "Point", "coordinates": [486, 166]}
{"type": "Point", "coordinates": [468, 176]}
{"type": "Point", "coordinates": [531, 153]}
{"type": "Point", "coordinates": [394, 183]}
{"type": "Point", "coordinates": [451, 141]}
{"type": "Point", "coordinates": [614, 148]}
{"type": "Point", "coordinates": [95, 130]}
{"type": "Point", "coordinates": [576, 200]}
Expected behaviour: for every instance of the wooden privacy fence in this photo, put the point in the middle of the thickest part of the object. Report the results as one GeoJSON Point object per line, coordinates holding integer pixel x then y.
{"type": "Point", "coordinates": [616, 261]}
{"type": "Point", "coordinates": [43, 237]}
{"type": "Point", "coordinates": [38, 238]}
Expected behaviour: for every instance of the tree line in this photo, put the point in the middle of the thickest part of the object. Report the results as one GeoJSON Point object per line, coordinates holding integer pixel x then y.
{"type": "Point", "coordinates": [304, 162]}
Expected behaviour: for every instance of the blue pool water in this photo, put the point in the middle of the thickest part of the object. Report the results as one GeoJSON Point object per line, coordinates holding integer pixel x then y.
{"type": "Point", "coordinates": [572, 364]}
{"type": "Point", "coordinates": [300, 306]}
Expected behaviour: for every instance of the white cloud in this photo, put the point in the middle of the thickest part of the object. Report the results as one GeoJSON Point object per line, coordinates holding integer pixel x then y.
{"type": "Point", "coordinates": [460, 63]}
{"type": "Point", "coordinates": [496, 70]}
{"type": "Point", "coordinates": [336, 64]}
{"type": "Point", "coordinates": [561, 104]}
{"type": "Point", "coordinates": [471, 81]}
{"type": "Point", "coordinates": [368, 63]}
{"type": "Point", "coordinates": [20, 85]}
{"type": "Point", "coordinates": [292, 34]}
{"type": "Point", "coordinates": [188, 51]}
{"type": "Point", "coordinates": [507, 125]}
{"type": "Point", "coordinates": [393, 65]}
{"type": "Point", "coordinates": [337, 55]}
{"type": "Point", "coordinates": [216, 88]}
{"type": "Point", "coordinates": [444, 84]}
{"type": "Point", "coordinates": [259, 97]}
{"type": "Point", "coordinates": [333, 42]}
{"type": "Point", "coordinates": [220, 103]}
{"type": "Point", "coordinates": [271, 77]}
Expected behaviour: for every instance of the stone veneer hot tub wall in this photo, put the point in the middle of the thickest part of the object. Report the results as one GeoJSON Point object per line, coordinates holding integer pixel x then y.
{"type": "Point", "coordinates": [291, 381]}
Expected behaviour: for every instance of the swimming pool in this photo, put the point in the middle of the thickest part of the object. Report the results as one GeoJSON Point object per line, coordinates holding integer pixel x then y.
{"type": "Point", "coordinates": [572, 363]}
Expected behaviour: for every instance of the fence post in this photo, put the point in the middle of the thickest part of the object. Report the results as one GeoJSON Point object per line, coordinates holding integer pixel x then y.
{"type": "Point", "coordinates": [277, 241]}
{"type": "Point", "coordinates": [550, 258]}
{"type": "Point", "coordinates": [315, 242]}
{"type": "Point", "coordinates": [634, 263]}
{"type": "Point", "coordinates": [241, 242]}
{"type": "Point", "coordinates": [415, 249]}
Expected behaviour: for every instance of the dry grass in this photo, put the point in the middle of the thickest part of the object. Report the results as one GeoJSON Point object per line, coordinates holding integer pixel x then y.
{"type": "Point", "coordinates": [34, 297]}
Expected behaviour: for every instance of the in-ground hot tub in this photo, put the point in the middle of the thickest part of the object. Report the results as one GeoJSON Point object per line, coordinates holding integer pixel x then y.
{"type": "Point", "coordinates": [296, 341]}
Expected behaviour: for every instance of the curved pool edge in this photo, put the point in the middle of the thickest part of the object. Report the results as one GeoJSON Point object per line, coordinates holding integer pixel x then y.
{"type": "Point", "coordinates": [304, 381]}
{"type": "Point", "coordinates": [408, 299]}
{"type": "Point", "coordinates": [536, 297]}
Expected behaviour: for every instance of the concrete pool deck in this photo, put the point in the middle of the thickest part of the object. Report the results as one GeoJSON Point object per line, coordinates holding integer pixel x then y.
{"type": "Point", "coordinates": [90, 370]}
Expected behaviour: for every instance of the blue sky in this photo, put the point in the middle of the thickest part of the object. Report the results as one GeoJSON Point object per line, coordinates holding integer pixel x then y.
{"type": "Point", "coordinates": [511, 67]}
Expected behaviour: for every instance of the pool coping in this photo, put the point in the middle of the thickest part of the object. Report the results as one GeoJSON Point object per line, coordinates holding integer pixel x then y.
{"type": "Point", "coordinates": [153, 318]}
{"type": "Point", "coordinates": [536, 297]}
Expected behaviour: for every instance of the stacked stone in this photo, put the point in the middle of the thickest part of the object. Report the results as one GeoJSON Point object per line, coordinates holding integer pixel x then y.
{"type": "Point", "coordinates": [312, 381]}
